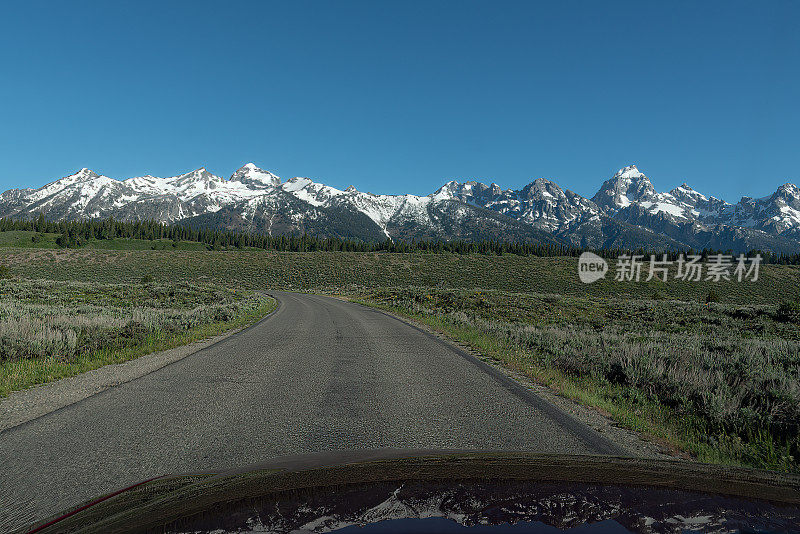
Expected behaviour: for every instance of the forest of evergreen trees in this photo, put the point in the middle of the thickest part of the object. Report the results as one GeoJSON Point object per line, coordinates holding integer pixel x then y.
{"type": "Point", "coordinates": [76, 233]}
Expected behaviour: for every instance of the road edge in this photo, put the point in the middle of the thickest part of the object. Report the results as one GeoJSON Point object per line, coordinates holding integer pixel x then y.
{"type": "Point", "coordinates": [23, 406]}
{"type": "Point", "coordinates": [564, 410]}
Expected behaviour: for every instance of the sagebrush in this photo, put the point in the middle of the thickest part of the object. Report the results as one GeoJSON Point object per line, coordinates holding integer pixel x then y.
{"type": "Point", "coordinates": [732, 370]}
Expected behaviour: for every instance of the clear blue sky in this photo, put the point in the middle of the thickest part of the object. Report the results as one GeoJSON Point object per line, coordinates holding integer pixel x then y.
{"type": "Point", "coordinates": [401, 96]}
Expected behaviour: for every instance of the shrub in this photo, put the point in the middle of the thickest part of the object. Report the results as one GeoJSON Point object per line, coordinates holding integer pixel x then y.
{"type": "Point", "coordinates": [69, 241]}
{"type": "Point", "coordinates": [789, 312]}
{"type": "Point", "coordinates": [732, 369]}
{"type": "Point", "coordinates": [41, 319]}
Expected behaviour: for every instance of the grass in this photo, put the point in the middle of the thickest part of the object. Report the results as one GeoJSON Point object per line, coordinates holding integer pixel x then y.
{"type": "Point", "coordinates": [51, 330]}
{"type": "Point", "coordinates": [333, 271]}
{"type": "Point", "coordinates": [719, 381]}
{"type": "Point", "coordinates": [25, 239]}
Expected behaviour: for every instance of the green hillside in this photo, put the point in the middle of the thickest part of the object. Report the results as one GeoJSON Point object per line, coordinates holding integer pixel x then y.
{"type": "Point", "coordinates": [333, 271]}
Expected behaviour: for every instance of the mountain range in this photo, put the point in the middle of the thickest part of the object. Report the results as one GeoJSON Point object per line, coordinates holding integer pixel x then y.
{"type": "Point", "coordinates": [626, 211]}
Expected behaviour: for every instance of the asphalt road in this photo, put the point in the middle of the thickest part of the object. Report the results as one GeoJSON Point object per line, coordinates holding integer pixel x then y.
{"type": "Point", "coordinates": [318, 374]}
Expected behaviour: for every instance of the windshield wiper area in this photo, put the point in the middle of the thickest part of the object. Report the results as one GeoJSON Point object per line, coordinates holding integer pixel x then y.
{"type": "Point", "coordinates": [449, 491]}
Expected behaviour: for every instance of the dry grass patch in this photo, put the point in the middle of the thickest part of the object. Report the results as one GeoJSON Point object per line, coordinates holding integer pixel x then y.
{"type": "Point", "coordinates": [50, 329]}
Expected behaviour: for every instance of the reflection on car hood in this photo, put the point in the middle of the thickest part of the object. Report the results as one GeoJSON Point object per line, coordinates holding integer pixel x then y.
{"type": "Point", "coordinates": [420, 491]}
{"type": "Point", "coordinates": [472, 503]}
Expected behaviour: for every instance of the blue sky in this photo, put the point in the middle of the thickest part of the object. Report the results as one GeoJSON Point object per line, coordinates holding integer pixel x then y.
{"type": "Point", "coordinates": [397, 97]}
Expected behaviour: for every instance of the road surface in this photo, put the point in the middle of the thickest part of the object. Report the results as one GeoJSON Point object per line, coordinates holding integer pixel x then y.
{"type": "Point", "coordinates": [318, 374]}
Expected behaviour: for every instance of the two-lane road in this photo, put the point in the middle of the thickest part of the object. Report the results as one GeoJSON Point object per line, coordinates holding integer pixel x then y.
{"type": "Point", "coordinates": [319, 374]}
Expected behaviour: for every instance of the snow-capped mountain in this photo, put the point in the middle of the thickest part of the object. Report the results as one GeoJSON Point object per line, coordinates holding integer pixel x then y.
{"type": "Point", "coordinates": [257, 200]}
{"type": "Point", "coordinates": [302, 205]}
{"type": "Point", "coordinates": [541, 203]}
{"type": "Point", "coordinates": [255, 178]}
{"type": "Point", "coordinates": [434, 506]}
{"type": "Point", "coordinates": [627, 211]}
{"type": "Point", "coordinates": [627, 186]}
{"type": "Point", "coordinates": [778, 213]}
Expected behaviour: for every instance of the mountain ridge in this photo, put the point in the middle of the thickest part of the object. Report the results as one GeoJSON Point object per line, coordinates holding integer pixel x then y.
{"type": "Point", "coordinates": [626, 209]}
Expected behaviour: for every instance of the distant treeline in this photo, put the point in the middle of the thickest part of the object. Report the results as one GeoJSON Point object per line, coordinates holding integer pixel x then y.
{"type": "Point", "coordinates": [76, 233]}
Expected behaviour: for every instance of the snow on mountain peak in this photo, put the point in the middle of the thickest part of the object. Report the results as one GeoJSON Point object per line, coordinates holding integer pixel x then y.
{"type": "Point", "coordinates": [542, 187]}
{"type": "Point", "coordinates": [541, 204]}
{"type": "Point", "coordinates": [309, 191]}
{"type": "Point", "coordinates": [629, 172]}
{"type": "Point", "coordinates": [82, 175]}
{"type": "Point", "coordinates": [198, 175]}
{"type": "Point", "coordinates": [255, 177]}
{"type": "Point", "coordinates": [86, 183]}
{"type": "Point", "coordinates": [790, 190]}
{"type": "Point", "coordinates": [686, 194]}
{"type": "Point", "coordinates": [448, 191]}
{"type": "Point", "coordinates": [630, 175]}
{"type": "Point", "coordinates": [628, 185]}
{"type": "Point", "coordinates": [296, 184]}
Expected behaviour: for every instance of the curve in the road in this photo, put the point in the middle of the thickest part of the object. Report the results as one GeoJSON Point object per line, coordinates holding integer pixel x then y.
{"type": "Point", "coordinates": [318, 374]}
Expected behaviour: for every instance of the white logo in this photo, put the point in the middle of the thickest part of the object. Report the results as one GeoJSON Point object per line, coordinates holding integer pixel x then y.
{"type": "Point", "coordinates": [591, 268]}
{"type": "Point", "coordinates": [718, 267]}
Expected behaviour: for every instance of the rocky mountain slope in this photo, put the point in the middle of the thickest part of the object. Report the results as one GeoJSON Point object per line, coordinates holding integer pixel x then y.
{"type": "Point", "coordinates": [627, 211]}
